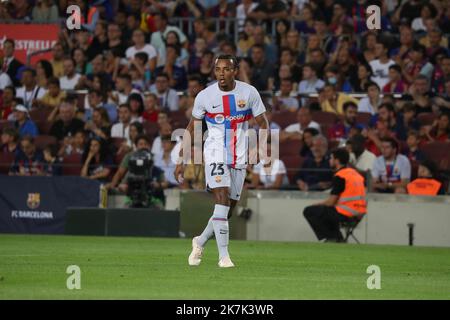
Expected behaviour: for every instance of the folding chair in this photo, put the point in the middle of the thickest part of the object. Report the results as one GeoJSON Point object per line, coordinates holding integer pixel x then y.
{"type": "Point", "coordinates": [349, 226]}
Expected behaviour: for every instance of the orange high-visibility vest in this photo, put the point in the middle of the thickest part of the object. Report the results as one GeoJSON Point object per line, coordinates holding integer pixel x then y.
{"type": "Point", "coordinates": [424, 187]}
{"type": "Point", "coordinates": [352, 202]}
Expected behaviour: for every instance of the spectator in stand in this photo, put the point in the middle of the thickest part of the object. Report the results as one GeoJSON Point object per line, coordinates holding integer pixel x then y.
{"type": "Point", "coordinates": [9, 63]}
{"type": "Point", "coordinates": [99, 126]}
{"type": "Point", "coordinates": [141, 46]}
{"type": "Point", "coordinates": [348, 126]}
{"type": "Point", "coordinates": [177, 74]}
{"type": "Point", "coordinates": [151, 108]}
{"type": "Point", "coordinates": [393, 120]}
{"type": "Point", "coordinates": [363, 77]}
{"type": "Point", "coordinates": [29, 160]}
{"type": "Point", "coordinates": [367, 53]}
{"type": "Point", "coordinates": [287, 57]}
{"type": "Point", "coordinates": [440, 130]}
{"type": "Point", "coordinates": [122, 128]}
{"type": "Point", "coordinates": [172, 39]}
{"type": "Point", "coordinates": [157, 40]}
{"type": "Point", "coordinates": [262, 72]}
{"type": "Point", "coordinates": [413, 152]}
{"type": "Point", "coordinates": [95, 100]}
{"type": "Point", "coordinates": [6, 107]}
{"type": "Point", "coordinates": [371, 103]}
{"type": "Point", "coordinates": [284, 99]}
{"type": "Point", "coordinates": [67, 125]}
{"type": "Point", "coordinates": [410, 121]}
{"type": "Point", "coordinates": [426, 183]}
{"type": "Point", "coordinates": [52, 164]}
{"type": "Point", "coordinates": [416, 64]}
{"type": "Point", "coordinates": [30, 91]}
{"type": "Point", "coordinates": [433, 39]}
{"type": "Point", "coordinates": [443, 102]}
{"type": "Point", "coordinates": [391, 170]}
{"type": "Point", "coordinates": [428, 11]}
{"type": "Point", "coordinates": [332, 101]}
{"type": "Point", "coordinates": [23, 123]}
{"type": "Point", "coordinates": [272, 177]}
{"type": "Point", "coordinates": [420, 94]}
{"type": "Point", "coordinates": [168, 97]}
{"type": "Point", "coordinates": [136, 129]}
{"type": "Point", "coordinates": [441, 75]}
{"type": "Point", "coordinates": [195, 85]}
{"type": "Point", "coordinates": [96, 160]}
{"type": "Point", "coordinates": [196, 54]}
{"type": "Point", "coordinates": [361, 158]}
{"type": "Point", "coordinates": [57, 61]}
{"type": "Point", "coordinates": [124, 89]}
{"type": "Point", "coordinates": [165, 129]}
{"type": "Point", "coordinates": [307, 140]}
{"type": "Point", "coordinates": [70, 79]}
{"type": "Point", "coordinates": [310, 83]}
{"type": "Point", "coordinates": [242, 12]}
{"type": "Point", "coordinates": [136, 106]}
{"type": "Point", "coordinates": [44, 71]}
{"type": "Point", "coordinates": [73, 145]}
{"type": "Point", "coordinates": [396, 83]}
{"type": "Point", "coordinates": [380, 66]}
{"type": "Point", "coordinates": [400, 54]}
{"type": "Point", "coordinates": [9, 141]}
{"type": "Point", "coordinates": [315, 173]}
{"type": "Point", "coordinates": [164, 161]}
{"type": "Point", "coordinates": [295, 130]}
{"type": "Point", "coordinates": [53, 97]}
{"type": "Point", "coordinates": [115, 43]}
{"type": "Point", "coordinates": [269, 10]}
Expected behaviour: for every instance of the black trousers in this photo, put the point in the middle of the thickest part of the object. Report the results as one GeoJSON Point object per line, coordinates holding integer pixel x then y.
{"type": "Point", "coordinates": [324, 221]}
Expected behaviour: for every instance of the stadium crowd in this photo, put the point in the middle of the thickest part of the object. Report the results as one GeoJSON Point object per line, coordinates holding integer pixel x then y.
{"type": "Point", "coordinates": [134, 68]}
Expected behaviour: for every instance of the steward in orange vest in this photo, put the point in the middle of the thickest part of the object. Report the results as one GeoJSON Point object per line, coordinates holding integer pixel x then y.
{"type": "Point", "coordinates": [347, 201]}
{"type": "Point", "coordinates": [425, 185]}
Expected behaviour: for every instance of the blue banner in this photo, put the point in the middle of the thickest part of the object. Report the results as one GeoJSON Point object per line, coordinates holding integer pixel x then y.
{"type": "Point", "coordinates": [37, 205]}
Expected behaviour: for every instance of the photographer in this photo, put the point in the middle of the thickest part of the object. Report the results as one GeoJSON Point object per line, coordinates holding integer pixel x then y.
{"type": "Point", "coordinates": [155, 179]}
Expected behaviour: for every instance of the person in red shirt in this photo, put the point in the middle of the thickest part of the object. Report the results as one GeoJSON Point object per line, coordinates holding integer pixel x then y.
{"type": "Point", "coordinates": [151, 108]}
{"type": "Point", "coordinates": [440, 130]}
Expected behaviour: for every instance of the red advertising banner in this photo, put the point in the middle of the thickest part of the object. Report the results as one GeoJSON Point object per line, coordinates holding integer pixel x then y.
{"type": "Point", "coordinates": [30, 38]}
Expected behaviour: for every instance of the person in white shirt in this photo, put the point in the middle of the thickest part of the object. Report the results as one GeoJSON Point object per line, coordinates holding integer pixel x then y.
{"type": "Point", "coordinates": [165, 129]}
{"type": "Point", "coordinates": [361, 158]}
{"type": "Point", "coordinates": [167, 97]}
{"type": "Point", "coordinates": [70, 78]}
{"type": "Point", "coordinates": [273, 177]}
{"type": "Point", "coordinates": [164, 161]}
{"type": "Point", "coordinates": [310, 82]}
{"type": "Point", "coordinates": [227, 106]}
{"type": "Point", "coordinates": [243, 10]}
{"type": "Point", "coordinates": [295, 130]}
{"type": "Point", "coordinates": [380, 66]}
{"type": "Point", "coordinates": [30, 90]}
{"type": "Point", "coordinates": [124, 89]}
{"type": "Point", "coordinates": [283, 99]}
{"type": "Point", "coordinates": [373, 100]}
{"type": "Point", "coordinates": [391, 170]}
{"type": "Point", "coordinates": [141, 46]}
{"type": "Point", "coordinates": [158, 37]}
{"type": "Point", "coordinates": [122, 128]}
{"type": "Point", "coordinates": [5, 80]}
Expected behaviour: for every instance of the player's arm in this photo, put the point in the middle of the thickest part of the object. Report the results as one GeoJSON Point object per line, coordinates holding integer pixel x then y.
{"type": "Point", "coordinates": [331, 201]}
{"type": "Point", "coordinates": [264, 136]}
{"type": "Point", "coordinates": [187, 143]}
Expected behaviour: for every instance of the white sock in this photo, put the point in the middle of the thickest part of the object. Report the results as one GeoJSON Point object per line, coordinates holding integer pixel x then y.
{"type": "Point", "coordinates": [220, 225]}
{"type": "Point", "coordinates": [206, 234]}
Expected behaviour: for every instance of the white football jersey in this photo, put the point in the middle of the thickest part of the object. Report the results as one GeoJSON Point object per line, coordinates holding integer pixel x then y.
{"type": "Point", "coordinates": [227, 114]}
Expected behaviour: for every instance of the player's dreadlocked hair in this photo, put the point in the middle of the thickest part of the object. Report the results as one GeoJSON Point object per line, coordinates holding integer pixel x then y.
{"type": "Point", "coordinates": [229, 57]}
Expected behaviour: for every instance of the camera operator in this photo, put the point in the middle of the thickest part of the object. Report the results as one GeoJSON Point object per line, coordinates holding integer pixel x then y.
{"type": "Point", "coordinates": [155, 178]}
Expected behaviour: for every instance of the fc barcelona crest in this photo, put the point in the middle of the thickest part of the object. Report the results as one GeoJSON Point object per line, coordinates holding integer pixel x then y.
{"type": "Point", "coordinates": [34, 200]}
{"type": "Point", "coordinates": [241, 103]}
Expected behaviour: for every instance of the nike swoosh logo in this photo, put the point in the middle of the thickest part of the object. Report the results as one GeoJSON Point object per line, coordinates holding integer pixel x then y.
{"type": "Point", "coordinates": [216, 106]}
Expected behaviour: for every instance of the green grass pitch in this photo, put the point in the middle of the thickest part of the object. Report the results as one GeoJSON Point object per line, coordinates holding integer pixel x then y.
{"type": "Point", "coordinates": [34, 267]}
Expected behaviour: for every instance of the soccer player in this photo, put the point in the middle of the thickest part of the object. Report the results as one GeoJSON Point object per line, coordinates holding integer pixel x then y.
{"type": "Point", "coordinates": [226, 105]}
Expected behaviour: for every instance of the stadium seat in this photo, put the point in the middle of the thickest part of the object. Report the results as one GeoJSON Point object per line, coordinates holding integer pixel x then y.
{"type": "Point", "coordinates": [42, 141]}
{"type": "Point", "coordinates": [284, 118]}
{"type": "Point", "coordinates": [72, 165]}
{"type": "Point", "coordinates": [290, 147]}
{"type": "Point", "coordinates": [363, 118]}
{"type": "Point", "coordinates": [151, 128]}
{"type": "Point", "coordinates": [178, 119]}
{"type": "Point", "coordinates": [426, 118]}
{"type": "Point", "coordinates": [439, 152]}
{"type": "Point", "coordinates": [324, 118]}
{"type": "Point", "coordinates": [292, 164]}
{"type": "Point", "coordinates": [6, 159]}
